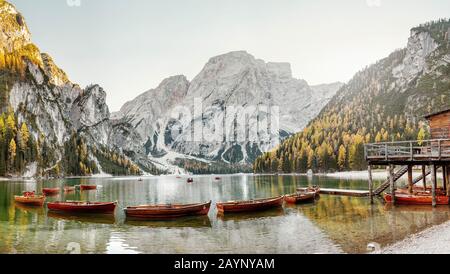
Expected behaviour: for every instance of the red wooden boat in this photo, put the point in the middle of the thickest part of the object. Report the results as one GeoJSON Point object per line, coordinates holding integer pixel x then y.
{"type": "Point", "coordinates": [167, 211]}
{"type": "Point", "coordinates": [252, 205]}
{"type": "Point", "coordinates": [83, 207]}
{"type": "Point", "coordinates": [29, 198]}
{"type": "Point", "coordinates": [406, 199]}
{"type": "Point", "coordinates": [421, 191]}
{"type": "Point", "coordinates": [300, 197]}
{"type": "Point", "coordinates": [51, 191]}
{"type": "Point", "coordinates": [88, 187]}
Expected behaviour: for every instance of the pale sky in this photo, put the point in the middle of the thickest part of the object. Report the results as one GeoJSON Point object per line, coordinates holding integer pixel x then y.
{"type": "Point", "coordinates": [130, 46]}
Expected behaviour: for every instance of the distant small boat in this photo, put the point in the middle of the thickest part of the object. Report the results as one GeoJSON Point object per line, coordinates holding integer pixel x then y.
{"type": "Point", "coordinates": [88, 187]}
{"type": "Point", "coordinates": [83, 207]}
{"type": "Point", "coordinates": [300, 197]}
{"type": "Point", "coordinates": [406, 199]}
{"type": "Point", "coordinates": [252, 205]}
{"type": "Point", "coordinates": [51, 191]}
{"type": "Point", "coordinates": [140, 180]}
{"type": "Point", "coordinates": [29, 198]}
{"type": "Point", "coordinates": [167, 210]}
{"type": "Point", "coordinates": [217, 178]}
{"type": "Point", "coordinates": [178, 177]}
{"type": "Point", "coordinates": [69, 189]}
{"type": "Point", "coordinates": [190, 180]}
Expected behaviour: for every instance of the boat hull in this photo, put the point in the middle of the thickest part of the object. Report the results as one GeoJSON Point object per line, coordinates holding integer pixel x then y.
{"type": "Point", "coordinates": [246, 206]}
{"type": "Point", "coordinates": [50, 191]}
{"type": "Point", "coordinates": [88, 187]}
{"type": "Point", "coordinates": [167, 211]}
{"type": "Point", "coordinates": [315, 189]}
{"type": "Point", "coordinates": [31, 201]}
{"type": "Point", "coordinates": [421, 191]}
{"type": "Point", "coordinates": [404, 199]}
{"type": "Point", "coordinates": [82, 207]}
{"type": "Point", "coordinates": [300, 198]}
{"type": "Point", "coordinates": [68, 189]}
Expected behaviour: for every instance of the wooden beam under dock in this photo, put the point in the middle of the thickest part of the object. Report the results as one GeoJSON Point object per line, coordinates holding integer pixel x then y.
{"type": "Point", "coordinates": [392, 182]}
{"type": "Point", "coordinates": [369, 169]}
{"type": "Point", "coordinates": [433, 184]}
{"type": "Point", "coordinates": [424, 177]}
{"type": "Point", "coordinates": [410, 179]}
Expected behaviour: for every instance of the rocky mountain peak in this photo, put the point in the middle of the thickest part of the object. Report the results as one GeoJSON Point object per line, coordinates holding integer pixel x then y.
{"type": "Point", "coordinates": [177, 85]}
{"type": "Point", "coordinates": [14, 33]}
{"type": "Point", "coordinates": [57, 76]}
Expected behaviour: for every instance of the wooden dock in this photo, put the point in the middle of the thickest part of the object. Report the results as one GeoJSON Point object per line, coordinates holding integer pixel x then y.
{"type": "Point", "coordinates": [341, 192]}
{"type": "Point", "coordinates": [344, 192]}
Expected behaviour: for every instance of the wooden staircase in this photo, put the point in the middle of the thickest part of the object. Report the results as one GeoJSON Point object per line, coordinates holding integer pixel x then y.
{"type": "Point", "coordinates": [397, 175]}
{"type": "Point", "coordinates": [418, 179]}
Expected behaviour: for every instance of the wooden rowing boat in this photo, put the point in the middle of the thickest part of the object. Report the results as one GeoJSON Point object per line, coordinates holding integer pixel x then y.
{"type": "Point", "coordinates": [406, 199]}
{"type": "Point", "coordinates": [315, 189]}
{"type": "Point", "coordinates": [421, 191]}
{"type": "Point", "coordinates": [167, 210]}
{"type": "Point", "coordinates": [252, 205]}
{"type": "Point", "coordinates": [300, 197]}
{"type": "Point", "coordinates": [51, 191]}
{"type": "Point", "coordinates": [88, 187]}
{"type": "Point", "coordinates": [68, 189]}
{"type": "Point", "coordinates": [83, 207]}
{"type": "Point", "coordinates": [29, 198]}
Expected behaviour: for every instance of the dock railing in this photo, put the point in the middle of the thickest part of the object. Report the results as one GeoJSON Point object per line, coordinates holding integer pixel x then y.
{"type": "Point", "coordinates": [419, 150]}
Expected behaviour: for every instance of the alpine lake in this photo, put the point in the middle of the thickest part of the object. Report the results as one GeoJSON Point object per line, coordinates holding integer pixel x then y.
{"type": "Point", "coordinates": [332, 224]}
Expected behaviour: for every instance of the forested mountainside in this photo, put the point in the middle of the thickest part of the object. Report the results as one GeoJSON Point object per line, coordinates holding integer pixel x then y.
{"type": "Point", "coordinates": [385, 101]}
{"type": "Point", "coordinates": [48, 125]}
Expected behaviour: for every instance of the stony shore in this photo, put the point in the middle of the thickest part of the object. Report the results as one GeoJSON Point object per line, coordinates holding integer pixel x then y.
{"type": "Point", "coordinates": [434, 240]}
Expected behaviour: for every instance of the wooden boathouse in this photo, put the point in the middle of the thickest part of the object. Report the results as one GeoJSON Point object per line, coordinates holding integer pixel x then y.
{"type": "Point", "coordinates": [430, 155]}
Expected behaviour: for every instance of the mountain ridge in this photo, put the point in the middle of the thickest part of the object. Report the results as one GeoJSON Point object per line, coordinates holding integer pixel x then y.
{"type": "Point", "coordinates": [232, 79]}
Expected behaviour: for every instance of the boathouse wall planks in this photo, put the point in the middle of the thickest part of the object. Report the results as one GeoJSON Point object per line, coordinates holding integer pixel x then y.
{"type": "Point", "coordinates": [440, 125]}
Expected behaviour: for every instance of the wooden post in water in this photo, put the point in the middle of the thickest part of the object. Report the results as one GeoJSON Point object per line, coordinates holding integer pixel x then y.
{"type": "Point", "coordinates": [447, 173]}
{"type": "Point", "coordinates": [410, 179]}
{"type": "Point", "coordinates": [424, 178]}
{"type": "Point", "coordinates": [369, 169]}
{"type": "Point", "coordinates": [392, 182]}
{"type": "Point", "coordinates": [444, 177]}
{"type": "Point", "coordinates": [433, 184]}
